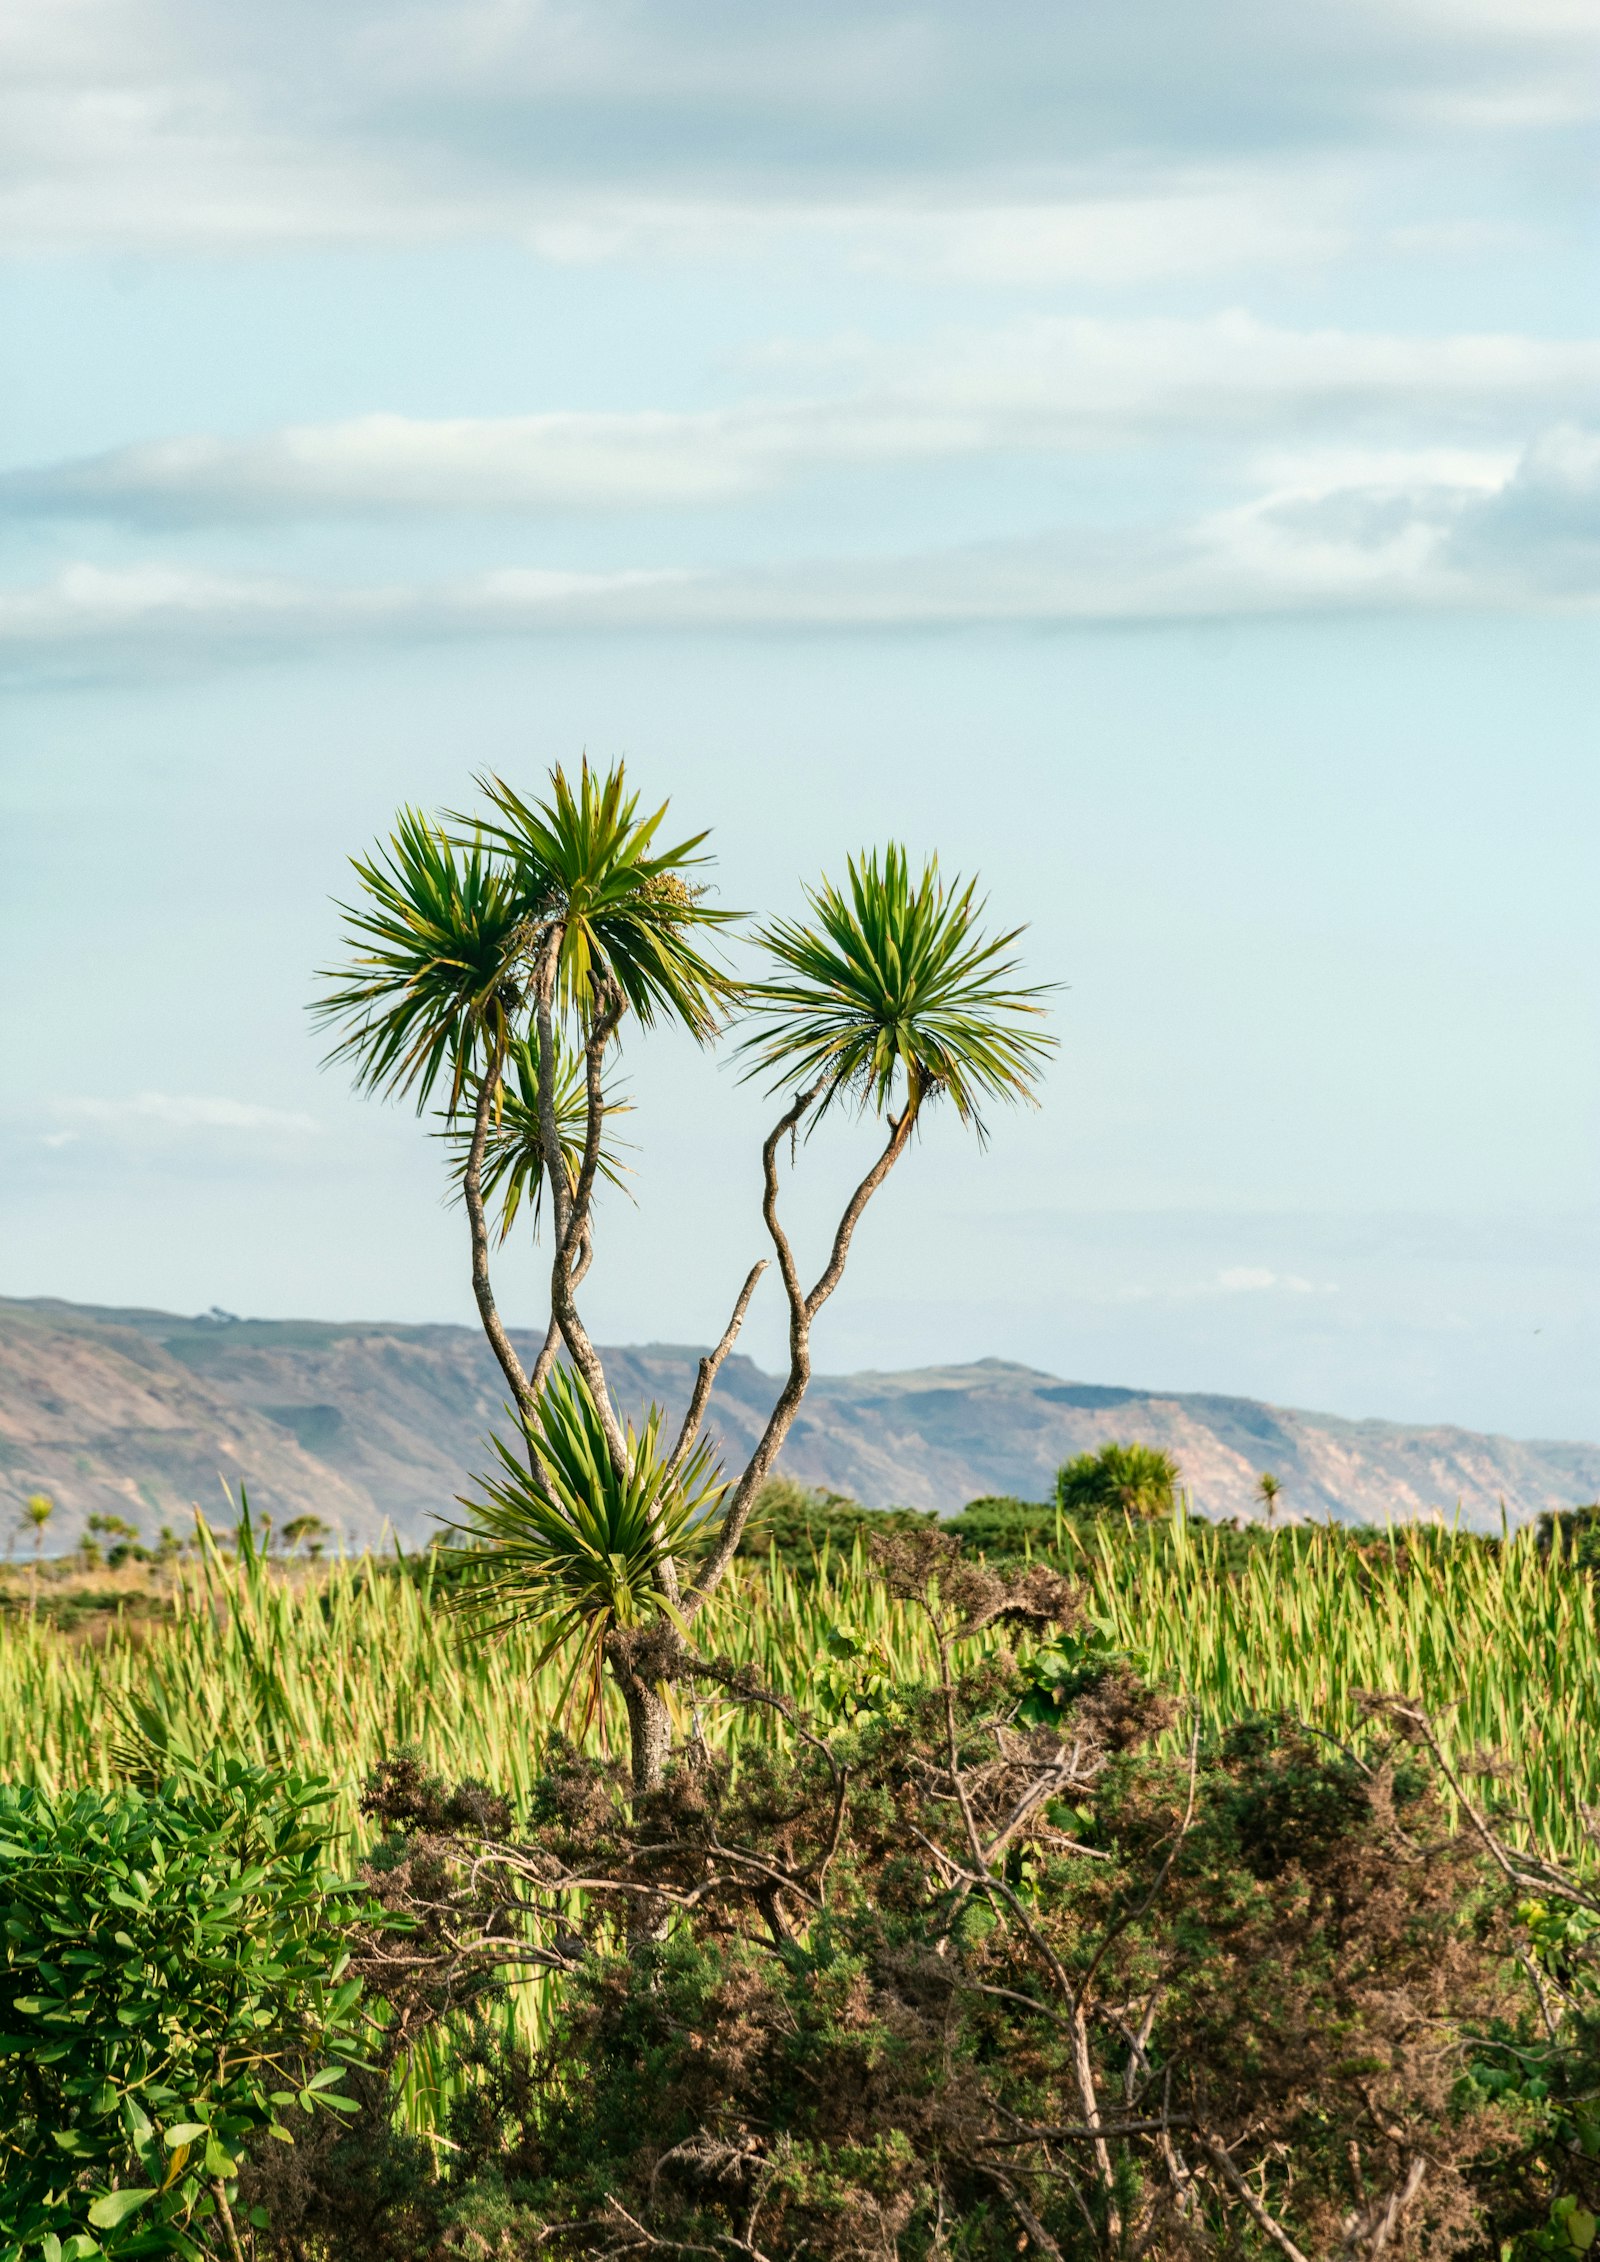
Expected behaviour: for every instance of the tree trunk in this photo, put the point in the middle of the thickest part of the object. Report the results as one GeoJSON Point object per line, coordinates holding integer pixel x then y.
{"type": "Point", "coordinates": [649, 1732]}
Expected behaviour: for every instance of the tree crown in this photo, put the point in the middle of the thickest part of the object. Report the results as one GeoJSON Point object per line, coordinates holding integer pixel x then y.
{"type": "Point", "coordinates": [891, 994]}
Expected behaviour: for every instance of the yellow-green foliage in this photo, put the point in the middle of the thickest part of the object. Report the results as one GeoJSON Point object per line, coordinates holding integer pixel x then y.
{"type": "Point", "coordinates": [337, 1671]}
{"type": "Point", "coordinates": [334, 1672]}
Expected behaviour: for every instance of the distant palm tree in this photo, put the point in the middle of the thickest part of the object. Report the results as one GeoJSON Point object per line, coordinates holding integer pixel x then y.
{"type": "Point", "coordinates": [1267, 1491]}
{"type": "Point", "coordinates": [38, 1508]}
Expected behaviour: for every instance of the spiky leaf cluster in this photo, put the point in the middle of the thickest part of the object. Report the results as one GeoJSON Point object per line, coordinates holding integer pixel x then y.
{"type": "Point", "coordinates": [576, 1546]}
{"type": "Point", "coordinates": [891, 994]}
{"type": "Point", "coordinates": [449, 932]}
{"type": "Point", "coordinates": [588, 869]}
{"type": "Point", "coordinates": [513, 1157]}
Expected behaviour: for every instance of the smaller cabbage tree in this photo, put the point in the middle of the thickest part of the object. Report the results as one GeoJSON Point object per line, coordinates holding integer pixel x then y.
{"type": "Point", "coordinates": [1130, 1480]}
{"type": "Point", "coordinates": [498, 960]}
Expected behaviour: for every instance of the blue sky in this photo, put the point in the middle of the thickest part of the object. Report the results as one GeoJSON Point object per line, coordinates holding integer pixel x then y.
{"type": "Point", "coordinates": [1149, 455]}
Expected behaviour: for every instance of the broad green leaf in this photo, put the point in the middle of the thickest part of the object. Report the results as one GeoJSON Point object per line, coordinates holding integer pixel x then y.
{"type": "Point", "coordinates": [113, 2207]}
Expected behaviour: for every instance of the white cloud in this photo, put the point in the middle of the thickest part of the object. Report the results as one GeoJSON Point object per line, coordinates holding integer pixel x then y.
{"type": "Point", "coordinates": [128, 121]}
{"type": "Point", "coordinates": [1441, 532]}
{"type": "Point", "coordinates": [168, 1112]}
{"type": "Point", "coordinates": [1196, 222]}
{"type": "Point", "coordinates": [1232, 1280]}
{"type": "Point", "coordinates": [1045, 386]}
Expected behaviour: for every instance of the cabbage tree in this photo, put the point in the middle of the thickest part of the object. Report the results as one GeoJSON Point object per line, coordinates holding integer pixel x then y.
{"type": "Point", "coordinates": [497, 962]}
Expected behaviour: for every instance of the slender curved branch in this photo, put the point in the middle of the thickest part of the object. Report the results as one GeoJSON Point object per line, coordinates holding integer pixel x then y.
{"type": "Point", "coordinates": [900, 1129]}
{"type": "Point", "coordinates": [570, 1203]}
{"type": "Point", "coordinates": [494, 1328]}
{"type": "Point", "coordinates": [803, 1309]}
{"type": "Point", "coordinates": [1268, 2225]}
{"type": "Point", "coordinates": [707, 1374]}
{"type": "Point", "coordinates": [600, 1035]}
{"type": "Point", "coordinates": [714, 1568]}
{"type": "Point", "coordinates": [544, 976]}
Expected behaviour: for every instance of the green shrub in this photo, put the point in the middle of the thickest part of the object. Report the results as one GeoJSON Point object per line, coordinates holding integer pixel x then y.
{"type": "Point", "coordinates": [1136, 1480]}
{"type": "Point", "coordinates": [1574, 1534]}
{"type": "Point", "coordinates": [797, 1522]}
{"type": "Point", "coordinates": [994, 1968]}
{"type": "Point", "coordinates": [172, 1984]}
{"type": "Point", "coordinates": [1001, 1526]}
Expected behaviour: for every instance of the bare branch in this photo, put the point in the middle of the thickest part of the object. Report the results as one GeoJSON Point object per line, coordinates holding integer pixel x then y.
{"type": "Point", "coordinates": [803, 1310]}
{"type": "Point", "coordinates": [571, 1204]}
{"type": "Point", "coordinates": [777, 1429]}
{"type": "Point", "coordinates": [1268, 2225]}
{"type": "Point", "coordinates": [472, 1188]}
{"type": "Point", "coordinates": [1373, 2228]}
{"type": "Point", "coordinates": [900, 1129]}
{"type": "Point", "coordinates": [707, 1374]}
{"type": "Point", "coordinates": [600, 1035]}
{"type": "Point", "coordinates": [549, 1129]}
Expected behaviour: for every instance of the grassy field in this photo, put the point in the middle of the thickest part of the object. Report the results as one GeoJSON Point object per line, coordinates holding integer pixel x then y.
{"type": "Point", "coordinates": [329, 1672]}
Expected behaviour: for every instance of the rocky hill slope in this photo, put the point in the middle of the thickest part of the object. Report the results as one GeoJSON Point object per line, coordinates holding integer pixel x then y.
{"type": "Point", "coordinates": [143, 1413]}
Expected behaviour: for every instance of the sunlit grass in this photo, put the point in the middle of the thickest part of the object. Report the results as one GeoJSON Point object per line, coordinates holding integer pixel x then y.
{"type": "Point", "coordinates": [331, 1673]}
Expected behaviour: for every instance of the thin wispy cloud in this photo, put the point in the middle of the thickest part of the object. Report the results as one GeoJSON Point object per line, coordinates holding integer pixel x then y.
{"type": "Point", "coordinates": [1441, 534]}
{"type": "Point", "coordinates": [175, 1112]}
{"type": "Point", "coordinates": [1048, 386]}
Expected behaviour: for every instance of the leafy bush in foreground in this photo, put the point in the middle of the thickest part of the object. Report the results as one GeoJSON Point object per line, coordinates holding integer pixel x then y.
{"type": "Point", "coordinates": [173, 1983]}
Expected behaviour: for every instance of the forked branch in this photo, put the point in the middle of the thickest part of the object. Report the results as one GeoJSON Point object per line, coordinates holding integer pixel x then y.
{"type": "Point", "coordinates": [803, 1309]}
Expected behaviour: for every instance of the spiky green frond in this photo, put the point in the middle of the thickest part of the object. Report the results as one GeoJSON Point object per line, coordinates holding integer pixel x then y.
{"type": "Point", "coordinates": [513, 1156]}
{"type": "Point", "coordinates": [576, 1549]}
{"type": "Point", "coordinates": [894, 993]}
{"type": "Point", "coordinates": [587, 861]}
{"type": "Point", "coordinates": [433, 978]}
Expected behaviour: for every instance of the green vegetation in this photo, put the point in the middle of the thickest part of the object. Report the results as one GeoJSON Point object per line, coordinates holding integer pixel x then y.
{"type": "Point", "coordinates": [1074, 1880]}
{"type": "Point", "coordinates": [340, 1671]}
{"type": "Point", "coordinates": [333, 1671]}
{"type": "Point", "coordinates": [172, 1983]}
{"type": "Point", "coordinates": [1138, 1479]}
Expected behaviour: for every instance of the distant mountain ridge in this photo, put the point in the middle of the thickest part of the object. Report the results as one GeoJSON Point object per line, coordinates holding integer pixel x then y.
{"type": "Point", "coordinates": [141, 1413]}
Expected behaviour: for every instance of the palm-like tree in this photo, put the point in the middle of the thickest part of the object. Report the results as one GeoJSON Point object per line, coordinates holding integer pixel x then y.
{"type": "Point", "coordinates": [1267, 1490]}
{"type": "Point", "coordinates": [498, 963]}
{"type": "Point", "coordinates": [611, 926]}
{"type": "Point", "coordinates": [1135, 1480]}
{"type": "Point", "coordinates": [38, 1508]}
